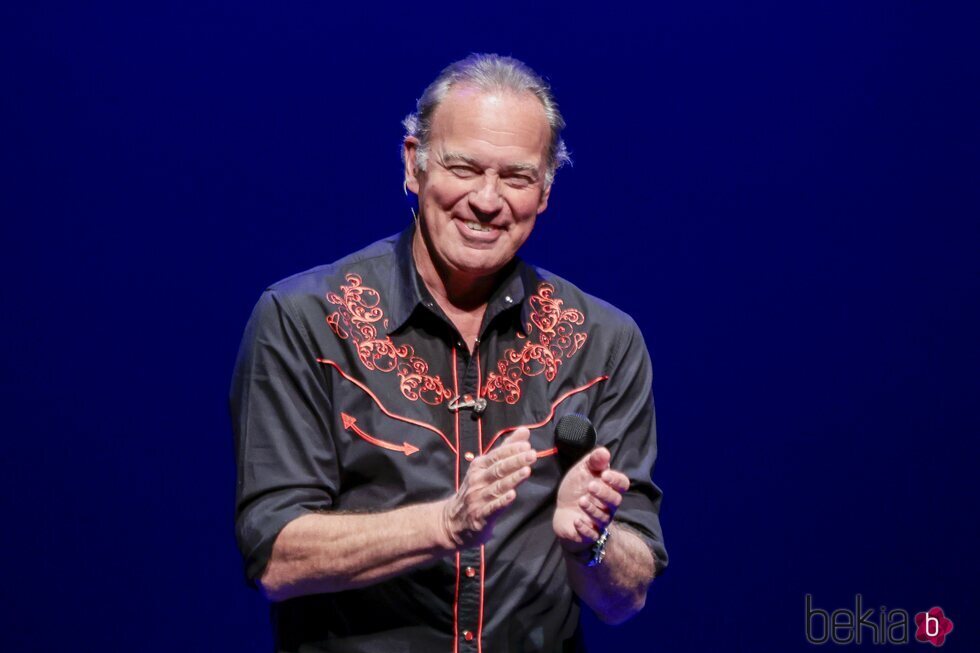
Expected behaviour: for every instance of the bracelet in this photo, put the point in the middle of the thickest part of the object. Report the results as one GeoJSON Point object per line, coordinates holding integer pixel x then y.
{"type": "Point", "coordinates": [599, 549]}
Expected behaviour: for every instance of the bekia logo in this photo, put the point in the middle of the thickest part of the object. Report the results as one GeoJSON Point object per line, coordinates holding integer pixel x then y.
{"type": "Point", "coordinates": [932, 626]}
{"type": "Point", "coordinates": [844, 626]}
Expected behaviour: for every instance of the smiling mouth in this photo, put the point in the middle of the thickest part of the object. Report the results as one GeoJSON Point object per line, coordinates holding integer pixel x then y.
{"type": "Point", "coordinates": [473, 225]}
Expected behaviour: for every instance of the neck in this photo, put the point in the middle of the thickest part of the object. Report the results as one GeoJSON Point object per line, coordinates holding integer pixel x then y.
{"type": "Point", "coordinates": [453, 290]}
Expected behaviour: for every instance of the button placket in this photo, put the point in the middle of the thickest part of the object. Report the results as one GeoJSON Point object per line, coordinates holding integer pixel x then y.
{"type": "Point", "coordinates": [471, 588]}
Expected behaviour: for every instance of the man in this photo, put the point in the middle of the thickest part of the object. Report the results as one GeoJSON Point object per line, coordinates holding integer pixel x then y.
{"type": "Point", "coordinates": [394, 412]}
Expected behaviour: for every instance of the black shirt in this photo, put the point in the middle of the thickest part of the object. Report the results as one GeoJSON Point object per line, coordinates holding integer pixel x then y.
{"type": "Point", "coordinates": [340, 402]}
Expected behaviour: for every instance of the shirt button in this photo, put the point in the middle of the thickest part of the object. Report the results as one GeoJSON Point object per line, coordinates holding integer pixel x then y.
{"type": "Point", "coordinates": [469, 456]}
{"type": "Point", "coordinates": [508, 299]}
{"type": "Point", "coordinates": [468, 635]}
{"type": "Point", "coordinates": [470, 572]}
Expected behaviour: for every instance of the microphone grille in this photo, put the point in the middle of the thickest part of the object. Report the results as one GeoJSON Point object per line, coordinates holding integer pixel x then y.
{"type": "Point", "coordinates": [575, 433]}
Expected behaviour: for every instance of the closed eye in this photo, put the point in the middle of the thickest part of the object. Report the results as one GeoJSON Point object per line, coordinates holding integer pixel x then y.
{"type": "Point", "coordinates": [463, 172]}
{"type": "Point", "coordinates": [519, 181]}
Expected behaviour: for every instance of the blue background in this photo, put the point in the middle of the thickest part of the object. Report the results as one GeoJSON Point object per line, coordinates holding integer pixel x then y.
{"type": "Point", "coordinates": [785, 197]}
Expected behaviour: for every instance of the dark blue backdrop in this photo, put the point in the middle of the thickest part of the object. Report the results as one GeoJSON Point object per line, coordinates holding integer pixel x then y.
{"type": "Point", "coordinates": [784, 197]}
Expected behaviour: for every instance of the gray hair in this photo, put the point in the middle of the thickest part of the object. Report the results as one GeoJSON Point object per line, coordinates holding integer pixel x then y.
{"type": "Point", "coordinates": [487, 72]}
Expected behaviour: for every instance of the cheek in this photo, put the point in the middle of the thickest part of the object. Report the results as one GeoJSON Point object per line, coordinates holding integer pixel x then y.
{"type": "Point", "coordinates": [446, 194]}
{"type": "Point", "coordinates": [527, 227]}
{"type": "Point", "coordinates": [525, 207]}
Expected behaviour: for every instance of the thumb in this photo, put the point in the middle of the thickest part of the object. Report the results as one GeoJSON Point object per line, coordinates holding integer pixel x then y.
{"type": "Point", "coordinates": [598, 460]}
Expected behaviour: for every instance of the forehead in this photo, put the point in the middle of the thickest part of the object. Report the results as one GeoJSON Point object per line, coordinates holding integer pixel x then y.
{"type": "Point", "coordinates": [492, 124]}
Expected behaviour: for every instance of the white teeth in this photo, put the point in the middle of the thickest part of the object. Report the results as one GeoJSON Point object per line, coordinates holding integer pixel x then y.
{"type": "Point", "coordinates": [476, 226]}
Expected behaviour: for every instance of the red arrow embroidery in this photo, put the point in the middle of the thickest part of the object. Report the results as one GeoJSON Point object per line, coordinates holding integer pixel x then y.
{"type": "Point", "coordinates": [350, 423]}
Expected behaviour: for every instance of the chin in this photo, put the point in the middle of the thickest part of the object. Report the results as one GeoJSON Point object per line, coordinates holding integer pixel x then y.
{"type": "Point", "coordinates": [480, 271]}
{"type": "Point", "coordinates": [478, 268]}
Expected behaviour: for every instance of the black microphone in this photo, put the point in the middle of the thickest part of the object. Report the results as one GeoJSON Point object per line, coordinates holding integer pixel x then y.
{"type": "Point", "coordinates": [574, 438]}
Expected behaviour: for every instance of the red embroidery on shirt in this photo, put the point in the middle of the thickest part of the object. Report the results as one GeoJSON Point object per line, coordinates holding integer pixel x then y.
{"type": "Point", "coordinates": [384, 410]}
{"type": "Point", "coordinates": [551, 413]}
{"type": "Point", "coordinates": [350, 423]}
{"type": "Point", "coordinates": [356, 318]}
{"type": "Point", "coordinates": [551, 336]}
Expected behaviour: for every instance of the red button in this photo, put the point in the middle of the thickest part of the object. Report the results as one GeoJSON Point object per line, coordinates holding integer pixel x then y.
{"type": "Point", "coordinates": [469, 456]}
{"type": "Point", "coordinates": [467, 635]}
{"type": "Point", "coordinates": [470, 572]}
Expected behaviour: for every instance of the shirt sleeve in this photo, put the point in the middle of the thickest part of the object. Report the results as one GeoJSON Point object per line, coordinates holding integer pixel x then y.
{"type": "Point", "coordinates": [626, 425]}
{"type": "Point", "coordinates": [286, 461]}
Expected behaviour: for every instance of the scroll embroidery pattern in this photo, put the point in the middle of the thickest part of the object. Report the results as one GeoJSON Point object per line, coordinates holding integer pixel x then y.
{"type": "Point", "coordinates": [551, 337]}
{"type": "Point", "coordinates": [356, 317]}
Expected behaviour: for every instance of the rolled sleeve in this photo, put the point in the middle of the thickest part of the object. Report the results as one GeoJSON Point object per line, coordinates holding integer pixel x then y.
{"type": "Point", "coordinates": [286, 461]}
{"type": "Point", "coordinates": [626, 424]}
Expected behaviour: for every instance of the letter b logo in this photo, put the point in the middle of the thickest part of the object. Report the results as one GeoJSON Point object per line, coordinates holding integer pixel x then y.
{"type": "Point", "coordinates": [933, 626]}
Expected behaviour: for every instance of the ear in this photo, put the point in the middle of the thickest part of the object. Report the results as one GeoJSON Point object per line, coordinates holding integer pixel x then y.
{"type": "Point", "coordinates": [411, 149]}
{"type": "Point", "coordinates": [543, 202]}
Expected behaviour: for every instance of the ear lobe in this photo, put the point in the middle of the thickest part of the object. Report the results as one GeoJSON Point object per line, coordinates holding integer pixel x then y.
{"type": "Point", "coordinates": [410, 149]}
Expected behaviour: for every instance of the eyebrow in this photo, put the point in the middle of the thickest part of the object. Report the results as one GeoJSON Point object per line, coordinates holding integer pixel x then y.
{"type": "Point", "coordinates": [454, 157]}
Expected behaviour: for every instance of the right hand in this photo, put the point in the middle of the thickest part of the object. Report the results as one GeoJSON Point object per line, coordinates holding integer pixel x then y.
{"type": "Point", "coordinates": [490, 485]}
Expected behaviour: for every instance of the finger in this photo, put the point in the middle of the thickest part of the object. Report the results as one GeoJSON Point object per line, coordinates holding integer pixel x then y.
{"type": "Point", "coordinates": [596, 510]}
{"type": "Point", "coordinates": [598, 460]}
{"type": "Point", "coordinates": [511, 464]}
{"type": "Point", "coordinates": [522, 434]}
{"type": "Point", "coordinates": [608, 496]}
{"type": "Point", "coordinates": [506, 484]}
{"type": "Point", "coordinates": [519, 440]}
{"type": "Point", "coordinates": [616, 480]}
{"type": "Point", "coordinates": [499, 504]}
{"type": "Point", "coordinates": [586, 530]}
{"type": "Point", "coordinates": [488, 460]}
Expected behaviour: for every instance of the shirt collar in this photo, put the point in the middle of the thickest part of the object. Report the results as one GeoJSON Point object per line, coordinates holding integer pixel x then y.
{"type": "Point", "coordinates": [406, 288]}
{"type": "Point", "coordinates": [408, 291]}
{"type": "Point", "coordinates": [511, 293]}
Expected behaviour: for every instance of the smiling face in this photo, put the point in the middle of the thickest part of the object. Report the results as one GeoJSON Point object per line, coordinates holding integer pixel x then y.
{"type": "Point", "coordinates": [484, 182]}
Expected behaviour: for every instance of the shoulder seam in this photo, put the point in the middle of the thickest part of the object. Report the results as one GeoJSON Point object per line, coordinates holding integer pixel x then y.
{"type": "Point", "coordinates": [290, 310]}
{"type": "Point", "coordinates": [622, 340]}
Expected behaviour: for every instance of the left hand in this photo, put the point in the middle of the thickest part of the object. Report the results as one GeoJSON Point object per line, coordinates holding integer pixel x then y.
{"type": "Point", "coordinates": [588, 498]}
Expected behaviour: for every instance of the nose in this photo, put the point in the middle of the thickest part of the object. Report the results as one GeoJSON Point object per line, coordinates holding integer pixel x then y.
{"type": "Point", "coordinates": [486, 201]}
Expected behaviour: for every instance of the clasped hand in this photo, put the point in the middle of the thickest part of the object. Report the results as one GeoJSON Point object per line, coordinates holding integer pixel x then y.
{"type": "Point", "coordinates": [587, 498]}
{"type": "Point", "coordinates": [490, 485]}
